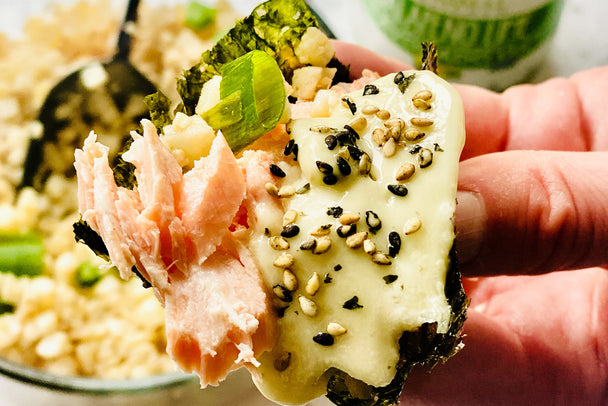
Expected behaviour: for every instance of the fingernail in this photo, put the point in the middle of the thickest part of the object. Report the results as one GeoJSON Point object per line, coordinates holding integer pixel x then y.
{"type": "Point", "coordinates": [470, 219]}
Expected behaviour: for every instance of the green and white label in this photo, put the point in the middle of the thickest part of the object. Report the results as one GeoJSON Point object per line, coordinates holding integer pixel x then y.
{"type": "Point", "coordinates": [476, 34]}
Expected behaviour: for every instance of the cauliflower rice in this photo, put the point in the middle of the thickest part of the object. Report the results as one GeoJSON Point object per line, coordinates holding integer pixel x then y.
{"type": "Point", "coordinates": [114, 329]}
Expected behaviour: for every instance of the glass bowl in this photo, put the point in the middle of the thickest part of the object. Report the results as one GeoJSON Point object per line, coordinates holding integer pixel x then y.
{"type": "Point", "coordinates": [25, 386]}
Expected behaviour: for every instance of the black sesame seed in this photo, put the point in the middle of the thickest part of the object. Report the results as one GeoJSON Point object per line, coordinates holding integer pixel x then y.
{"type": "Point", "coordinates": [325, 339]}
{"type": "Point", "coordinates": [402, 81]}
{"type": "Point", "coordinates": [394, 243]}
{"type": "Point", "coordinates": [277, 171]}
{"type": "Point", "coordinates": [352, 132]}
{"type": "Point", "coordinates": [351, 104]}
{"type": "Point", "coordinates": [415, 149]}
{"type": "Point", "coordinates": [388, 279]}
{"type": "Point", "coordinates": [282, 293]}
{"type": "Point", "coordinates": [352, 303]}
{"type": "Point", "coordinates": [346, 231]}
{"type": "Point", "coordinates": [292, 99]}
{"type": "Point", "coordinates": [290, 230]}
{"type": "Point", "coordinates": [295, 152]}
{"type": "Point", "coordinates": [398, 190]}
{"type": "Point", "coordinates": [335, 211]}
{"type": "Point", "coordinates": [399, 77]}
{"type": "Point", "coordinates": [355, 153]}
{"type": "Point", "coordinates": [438, 147]}
{"type": "Point", "coordinates": [370, 89]}
{"type": "Point", "coordinates": [337, 267]}
{"type": "Point", "coordinates": [345, 137]}
{"type": "Point", "coordinates": [324, 167]}
{"type": "Point", "coordinates": [343, 166]}
{"type": "Point", "coordinates": [330, 179]}
{"type": "Point", "coordinates": [373, 221]}
{"type": "Point", "coordinates": [308, 245]}
{"type": "Point", "coordinates": [331, 142]}
{"type": "Point", "coordinates": [327, 278]}
{"type": "Point", "coordinates": [289, 147]}
{"type": "Point", "coordinates": [266, 231]}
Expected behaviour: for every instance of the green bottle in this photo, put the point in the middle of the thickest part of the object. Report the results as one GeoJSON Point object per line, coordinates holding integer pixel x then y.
{"type": "Point", "coordinates": [491, 43]}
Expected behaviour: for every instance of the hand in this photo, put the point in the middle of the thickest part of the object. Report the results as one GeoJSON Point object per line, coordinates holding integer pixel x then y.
{"type": "Point", "coordinates": [532, 207]}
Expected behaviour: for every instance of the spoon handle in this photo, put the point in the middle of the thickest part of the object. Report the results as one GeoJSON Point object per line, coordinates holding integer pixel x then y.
{"type": "Point", "coordinates": [124, 38]}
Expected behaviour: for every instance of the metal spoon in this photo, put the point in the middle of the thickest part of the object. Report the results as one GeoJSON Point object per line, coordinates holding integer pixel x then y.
{"type": "Point", "coordinates": [104, 97]}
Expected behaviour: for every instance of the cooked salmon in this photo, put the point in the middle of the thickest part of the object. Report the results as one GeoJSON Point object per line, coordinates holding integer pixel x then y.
{"type": "Point", "coordinates": [179, 231]}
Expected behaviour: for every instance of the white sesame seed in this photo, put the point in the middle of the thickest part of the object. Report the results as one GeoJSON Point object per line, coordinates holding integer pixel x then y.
{"type": "Point", "coordinates": [369, 246]}
{"type": "Point", "coordinates": [323, 245]}
{"type": "Point", "coordinates": [284, 261]}
{"type": "Point", "coordinates": [348, 218]}
{"type": "Point", "coordinates": [335, 329]}
{"type": "Point", "coordinates": [312, 286]}
{"type": "Point", "coordinates": [289, 217]}
{"type": "Point", "coordinates": [356, 240]}
{"type": "Point", "coordinates": [286, 191]}
{"type": "Point", "coordinates": [421, 122]}
{"type": "Point", "coordinates": [278, 243]}
{"type": "Point", "coordinates": [308, 307]}
{"type": "Point", "coordinates": [412, 225]}
{"type": "Point", "coordinates": [289, 280]}
{"type": "Point", "coordinates": [272, 189]}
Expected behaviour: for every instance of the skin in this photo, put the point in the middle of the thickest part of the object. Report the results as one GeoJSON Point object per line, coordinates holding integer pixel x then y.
{"type": "Point", "coordinates": [532, 238]}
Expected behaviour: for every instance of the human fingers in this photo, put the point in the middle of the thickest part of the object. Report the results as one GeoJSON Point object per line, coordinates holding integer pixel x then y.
{"type": "Point", "coordinates": [360, 58]}
{"type": "Point", "coordinates": [529, 212]}
{"type": "Point", "coordinates": [559, 114]}
{"type": "Point", "coordinates": [529, 340]}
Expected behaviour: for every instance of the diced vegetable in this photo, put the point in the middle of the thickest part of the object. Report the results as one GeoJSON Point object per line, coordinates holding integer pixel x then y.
{"type": "Point", "coordinates": [21, 253]}
{"type": "Point", "coordinates": [199, 16]}
{"type": "Point", "coordinates": [87, 275]}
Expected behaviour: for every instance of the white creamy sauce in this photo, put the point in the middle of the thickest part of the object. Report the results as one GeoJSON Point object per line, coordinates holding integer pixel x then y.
{"type": "Point", "coordinates": [369, 349]}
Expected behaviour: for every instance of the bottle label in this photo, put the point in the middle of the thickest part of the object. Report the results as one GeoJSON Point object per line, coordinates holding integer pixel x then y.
{"type": "Point", "coordinates": [467, 42]}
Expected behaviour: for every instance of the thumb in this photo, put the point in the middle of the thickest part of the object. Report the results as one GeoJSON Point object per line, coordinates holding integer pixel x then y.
{"type": "Point", "coordinates": [528, 212]}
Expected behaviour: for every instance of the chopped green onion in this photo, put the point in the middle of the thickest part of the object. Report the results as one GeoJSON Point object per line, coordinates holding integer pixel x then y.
{"type": "Point", "coordinates": [21, 254]}
{"type": "Point", "coordinates": [199, 16]}
{"type": "Point", "coordinates": [87, 275]}
{"type": "Point", "coordinates": [253, 99]}
{"type": "Point", "coordinates": [227, 112]}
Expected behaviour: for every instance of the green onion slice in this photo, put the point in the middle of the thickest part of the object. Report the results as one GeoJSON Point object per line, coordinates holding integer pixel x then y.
{"type": "Point", "coordinates": [21, 254]}
{"type": "Point", "coordinates": [252, 99]}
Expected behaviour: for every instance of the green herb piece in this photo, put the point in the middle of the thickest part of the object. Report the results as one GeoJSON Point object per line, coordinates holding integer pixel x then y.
{"type": "Point", "coordinates": [87, 275]}
{"type": "Point", "coordinates": [199, 16]}
{"type": "Point", "coordinates": [21, 253]}
{"type": "Point", "coordinates": [6, 308]}
{"type": "Point", "coordinates": [159, 107]}
{"type": "Point", "coordinates": [85, 234]}
{"type": "Point", "coordinates": [252, 99]}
